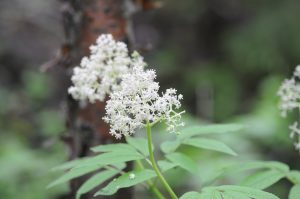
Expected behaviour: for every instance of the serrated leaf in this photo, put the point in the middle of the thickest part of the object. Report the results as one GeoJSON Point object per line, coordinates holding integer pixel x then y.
{"type": "Point", "coordinates": [74, 173]}
{"type": "Point", "coordinates": [263, 180]}
{"type": "Point", "coordinates": [95, 181]}
{"type": "Point", "coordinates": [295, 192]}
{"type": "Point", "coordinates": [112, 147]}
{"type": "Point", "coordinates": [113, 157]}
{"type": "Point", "coordinates": [183, 161]}
{"type": "Point", "coordinates": [169, 146]}
{"type": "Point", "coordinates": [190, 195]}
{"type": "Point", "coordinates": [234, 192]}
{"type": "Point", "coordinates": [141, 144]}
{"type": "Point", "coordinates": [126, 180]}
{"type": "Point", "coordinates": [208, 129]}
{"type": "Point", "coordinates": [165, 165]}
{"type": "Point", "coordinates": [209, 144]}
{"type": "Point", "coordinates": [294, 176]}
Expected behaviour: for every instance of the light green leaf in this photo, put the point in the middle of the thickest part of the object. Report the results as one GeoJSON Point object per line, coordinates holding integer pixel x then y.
{"type": "Point", "coordinates": [113, 157]}
{"type": "Point", "coordinates": [165, 165]}
{"type": "Point", "coordinates": [141, 144]}
{"type": "Point", "coordinates": [234, 192]}
{"type": "Point", "coordinates": [209, 144]}
{"type": "Point", "coordinates": [190, 195]}
{"type": "Point", "coordinates": [74, 173]}
{"type": "Point", "coordinates": [295, 192]}
{"type": "Point", "coordinates": [208, 129]}
{"type": "Point", "coordinates": [95, 181]}
{"type": "Point", "coordinates": [169, 146]}
{"type": "Point", "coordinates": [126, 180]}
{"type": "Point", "coordinates": [183, 161]}
{"type": "Point", "coordinates": [263, 180]}
{"type": "Point", "coordinates": [257, 165]}
{"type": "Point", "coordinates": [246, 166]}
{"type": "Point", "coordinates": [69, 165]}
{"type": "Point", "coordinates": [112, 147]}
{"type": "Point", "coordinates": [294, 176]}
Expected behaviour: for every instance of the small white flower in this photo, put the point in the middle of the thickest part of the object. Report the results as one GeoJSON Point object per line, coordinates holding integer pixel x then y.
{"type": "Point", "coordinates": [138, 102]}
{"type": "Point", "coordinates": [294, 130]}
{"type": "Point", "coordinates": [99, 74]}
{"type": "Point", "coordinates": [297, 145]}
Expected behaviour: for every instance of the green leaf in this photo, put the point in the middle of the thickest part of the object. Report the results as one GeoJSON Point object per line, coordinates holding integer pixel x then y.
{"type": "Point", "coordinates": [208, 129]}
{"type": "Point", "coordinates": [141, 144]}
{"type": "Point", "coordinates": [246, 166]}
{"type": "Point", "coordinates": [295, 192]}
{"type": "Point", "coordinates": [209, 144]}
{"type": "Point", "coordinates": [69, 165]}
{"type": "Point", "coordinates": [234, 192]}
{"type": "Point", "coordinates": [74, 173]}
{"type": "Point", "coordinates": [294, 176]}
{"type": "Point", "coordinates": [126, 180]}
{"type": "Point", "coordinates": [183, 161]}
{"type": "Point", "coordinates": [112, 147]}
{"type": "Point", "coordinates": [95, 181]}
{"type": "Point", "coordinates": [113, 157]}
{"type": "Point", "coordinates": [165, 165]}
{"type": "Point", "coordinates": [263, 179]}
{"type": "Point", "coordinates": [169, 146]}
{"type": "Point", "coordinates": [190, 195]}
{"type": "Point", "coordinates": [257, 165]}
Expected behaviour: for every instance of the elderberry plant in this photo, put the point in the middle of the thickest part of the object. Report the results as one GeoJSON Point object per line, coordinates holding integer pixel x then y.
{"type": "Point", "coordinates": [134, 102]}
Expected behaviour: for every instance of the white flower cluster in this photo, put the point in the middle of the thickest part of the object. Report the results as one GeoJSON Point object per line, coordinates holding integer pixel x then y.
{"type": "Point", "coordinates": [99, 74]}
{"type": "Point", "coordinates": [138, 103]}
{"type": "Point", "coordinates": [289, 93]}
{"type": "Point", "coordinates": [134, 99]}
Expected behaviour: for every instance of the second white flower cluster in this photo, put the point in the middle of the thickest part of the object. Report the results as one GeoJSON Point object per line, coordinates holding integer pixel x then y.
{"type": "Point", "coordinates": [289, 93]}
{"type": "Point", "coordinates": [134, 100]}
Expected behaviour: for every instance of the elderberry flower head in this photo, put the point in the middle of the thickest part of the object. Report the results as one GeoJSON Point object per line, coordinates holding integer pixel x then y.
{"type": "Point", "coordinates": [289, 93]}
{"type": "Point", "coordinates": [99, 74]}
{"type": "Point", "coordinates": [138, 103]}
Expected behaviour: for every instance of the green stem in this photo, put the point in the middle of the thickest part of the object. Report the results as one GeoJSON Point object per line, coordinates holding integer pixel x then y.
{"type": "Point", "coordinates": [154, 165]}
{"type": "Point", "coordinates": [152, 188]}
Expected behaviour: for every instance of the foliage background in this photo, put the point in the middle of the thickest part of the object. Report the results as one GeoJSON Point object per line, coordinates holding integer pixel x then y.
{"type": "Point", "coordinates": [227, 57]}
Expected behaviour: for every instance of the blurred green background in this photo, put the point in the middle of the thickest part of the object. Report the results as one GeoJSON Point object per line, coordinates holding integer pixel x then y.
{"type": "Point", "coordinates": [227, 57]}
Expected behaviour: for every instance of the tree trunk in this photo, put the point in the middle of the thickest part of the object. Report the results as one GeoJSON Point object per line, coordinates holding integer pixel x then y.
{"type": "Point", "coordinates": [83, 22]}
